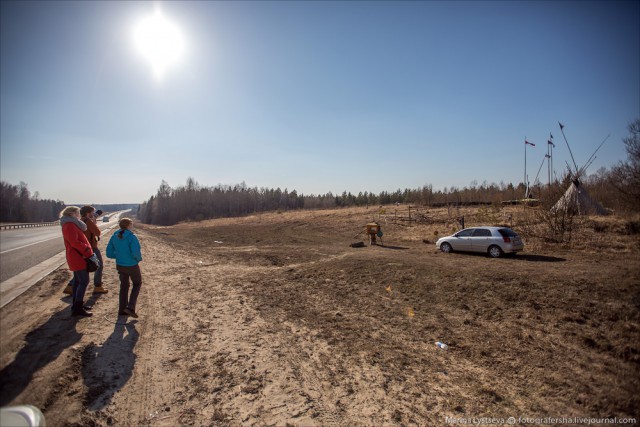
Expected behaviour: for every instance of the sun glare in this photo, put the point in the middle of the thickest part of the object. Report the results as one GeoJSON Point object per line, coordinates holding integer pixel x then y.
{"type": "Point", "coordinates": [160, 42]}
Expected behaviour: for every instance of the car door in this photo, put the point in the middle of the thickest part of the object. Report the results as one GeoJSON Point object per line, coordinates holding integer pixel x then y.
{"type": "Point", "coordinates": [480, 240]}
{"type": "Point", "coordinates": [462, 241]}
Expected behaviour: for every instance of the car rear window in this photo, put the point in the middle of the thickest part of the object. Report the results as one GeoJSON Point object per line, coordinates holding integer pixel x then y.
{"type": "Point", "coordinates": [482, 232]}
{"type": "Point", "coordinates": [507, 232]}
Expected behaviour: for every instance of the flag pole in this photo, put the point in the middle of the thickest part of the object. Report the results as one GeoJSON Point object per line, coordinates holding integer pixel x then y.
{"type": "Point", "coordinates": [549, 164]}
{"type": "Point", "coordinates": [550, 147]}
{"type": "Point", "coordinates": [551, 158]}
{"type": "Point", "coordinates": [526, 185]}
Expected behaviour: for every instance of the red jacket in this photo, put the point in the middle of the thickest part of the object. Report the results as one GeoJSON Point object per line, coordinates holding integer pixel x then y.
{"type": "Point", "coordinates": [74, 241]}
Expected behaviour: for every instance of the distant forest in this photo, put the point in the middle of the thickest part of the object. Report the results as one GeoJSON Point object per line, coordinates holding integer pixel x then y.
{"type": "Point", "coordinates": [193, 202]}
{"type": "Point", "coordinates": [17, 204]}
{"type": "Point", "coordinates": [617, 189]}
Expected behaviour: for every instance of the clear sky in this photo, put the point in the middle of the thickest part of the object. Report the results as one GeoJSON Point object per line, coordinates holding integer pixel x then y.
{"type": "Point", "coordinates": [312, 96]}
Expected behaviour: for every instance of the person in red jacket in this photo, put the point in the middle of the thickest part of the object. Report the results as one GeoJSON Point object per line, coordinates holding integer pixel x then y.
{"type": "Point", "coordinates": [78, 249]}
{"type": "Point", "coordinates": [93, 236]}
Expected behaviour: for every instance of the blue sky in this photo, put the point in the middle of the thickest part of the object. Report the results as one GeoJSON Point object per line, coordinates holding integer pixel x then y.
{"type": "Point", "coordinates": [312, 96]}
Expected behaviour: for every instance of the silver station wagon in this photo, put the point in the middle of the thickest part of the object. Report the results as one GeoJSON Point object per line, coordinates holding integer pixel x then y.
{"type": "Point", "coordinates": [494, 241]}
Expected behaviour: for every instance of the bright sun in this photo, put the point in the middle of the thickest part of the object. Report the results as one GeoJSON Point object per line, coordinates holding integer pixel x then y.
{"type": "Point", "coordinates": [160, 42]}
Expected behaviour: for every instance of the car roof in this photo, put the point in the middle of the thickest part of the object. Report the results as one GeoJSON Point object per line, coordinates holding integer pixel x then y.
{"type": "Point", "coordinates": [486, 227]}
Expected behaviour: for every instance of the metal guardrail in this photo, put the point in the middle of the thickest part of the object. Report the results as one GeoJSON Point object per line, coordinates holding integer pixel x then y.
{"type": "Point", "coordinates": [28, 225]}
{"type": "Point", "coordinates": [48, 224]}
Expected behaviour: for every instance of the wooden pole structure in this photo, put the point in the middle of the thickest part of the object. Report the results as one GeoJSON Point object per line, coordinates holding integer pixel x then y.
{"type": "Point", "coordinates": [526, 181]}
{"type": "Point", "coordinates": [546, 156]}
{"type": "Point", "coordinates": [567, 142]}
{"type": "Point", "coordinates": [592, 158]}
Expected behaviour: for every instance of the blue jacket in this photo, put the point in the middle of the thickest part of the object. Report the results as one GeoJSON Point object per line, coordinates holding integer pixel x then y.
{"type": "Point", "coordinates": [125, 248]}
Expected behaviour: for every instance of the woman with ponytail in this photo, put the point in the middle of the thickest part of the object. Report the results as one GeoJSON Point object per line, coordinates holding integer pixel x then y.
{"type": "Point", "coordinates": [124, 247]}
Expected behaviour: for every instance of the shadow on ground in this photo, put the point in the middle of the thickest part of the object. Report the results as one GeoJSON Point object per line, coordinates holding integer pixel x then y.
{"type": "Point", "coordinates": [107, 368]}
{"type": "Point", "coordinates": [537, 258]}
{"type": "Point", "coordinates": [401, 248]}
{"type": "Point", "coordinates": [43, 345]}
{"type": "Point", "coordinates": [512, 257]}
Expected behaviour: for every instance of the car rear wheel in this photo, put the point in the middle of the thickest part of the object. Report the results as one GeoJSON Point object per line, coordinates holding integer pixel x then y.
{"type": "Point", "coordinates": [495, 251]}
{"type": "Point", "coordinates": [446, 248]}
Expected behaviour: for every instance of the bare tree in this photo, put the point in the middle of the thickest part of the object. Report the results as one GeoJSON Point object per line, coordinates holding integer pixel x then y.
{"type": "Point", "coordinates": [17, 205]}
{"type": "Point", "coordinates": [626, 175]}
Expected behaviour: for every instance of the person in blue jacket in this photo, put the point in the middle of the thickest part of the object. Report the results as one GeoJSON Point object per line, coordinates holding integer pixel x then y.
{"type": "Point", "coordinates": [124, 247]}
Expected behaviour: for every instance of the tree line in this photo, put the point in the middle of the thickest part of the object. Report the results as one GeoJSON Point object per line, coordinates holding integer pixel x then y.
{"type": "Point", "coordinates": [18, 205]}
{"type": "Point", "coordinates": [617, 189]}
{"type": "Point", "coordinates": [193, 202]}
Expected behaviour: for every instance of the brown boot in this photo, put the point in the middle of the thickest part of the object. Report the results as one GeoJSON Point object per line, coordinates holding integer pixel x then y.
{"type": "Point", "coordinates": [68, 290]}
{"type": "Point", "coordinates": [100, 290]}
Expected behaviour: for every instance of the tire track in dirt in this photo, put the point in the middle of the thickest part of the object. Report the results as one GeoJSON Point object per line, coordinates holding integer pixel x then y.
{"type": "Point", "coordinates": [151, 336]}
{"type": "Point", "coordinates": [148, 393]}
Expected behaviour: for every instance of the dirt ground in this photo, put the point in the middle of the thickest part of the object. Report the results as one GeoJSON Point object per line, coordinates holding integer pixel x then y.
{"type": "Point", "coordinates": [274, 320]}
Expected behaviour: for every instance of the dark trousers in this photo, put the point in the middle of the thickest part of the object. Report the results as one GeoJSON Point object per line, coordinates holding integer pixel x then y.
{"type": "Point", "coordinates": [126, 274]}
{"type": "Point", "coordinates": [97, 276]}
{"type": "Point", "coordinates": [80, 283]}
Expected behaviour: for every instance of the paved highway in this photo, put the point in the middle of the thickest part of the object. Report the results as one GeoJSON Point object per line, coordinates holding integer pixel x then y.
{"type": "Point", "coordinates": [11, 240]}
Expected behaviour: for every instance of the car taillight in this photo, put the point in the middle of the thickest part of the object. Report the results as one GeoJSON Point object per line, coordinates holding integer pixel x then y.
{"type": "Point", "coordinates": [506, 239]}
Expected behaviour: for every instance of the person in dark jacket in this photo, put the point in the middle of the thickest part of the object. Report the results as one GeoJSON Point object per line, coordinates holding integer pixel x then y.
{"type": "Point", "coordinates": [93, 235]}
{"type": "Point", "coordinates": [124, 247]}
{"type": "Point", "coordinates": [77, 250]}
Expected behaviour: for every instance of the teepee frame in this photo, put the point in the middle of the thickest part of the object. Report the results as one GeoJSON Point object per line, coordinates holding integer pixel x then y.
{"type": "Point", "coordinates": [576, 199]}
